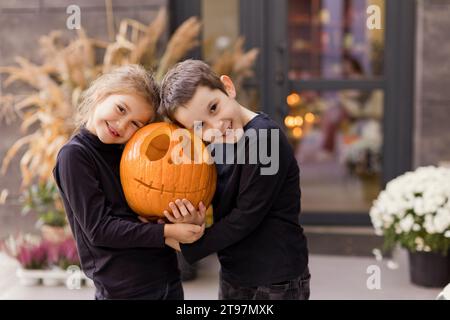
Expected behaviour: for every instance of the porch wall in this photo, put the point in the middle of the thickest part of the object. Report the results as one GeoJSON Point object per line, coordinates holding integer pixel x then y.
{"type": "Point", "coordinates": [432, 109]}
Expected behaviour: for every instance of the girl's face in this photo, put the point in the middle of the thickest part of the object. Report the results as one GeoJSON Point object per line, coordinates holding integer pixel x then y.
{"type": "Point", "coordinates": [119, 116]}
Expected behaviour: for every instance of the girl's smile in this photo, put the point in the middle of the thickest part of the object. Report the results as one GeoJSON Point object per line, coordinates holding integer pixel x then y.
{"type": "Point", "coordinates": [113, 131]}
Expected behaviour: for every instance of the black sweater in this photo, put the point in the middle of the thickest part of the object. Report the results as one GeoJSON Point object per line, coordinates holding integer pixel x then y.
{"type": "Point", "coordinates": [123, 256]}
{"type": "Point", "coordinates": [256, 229]}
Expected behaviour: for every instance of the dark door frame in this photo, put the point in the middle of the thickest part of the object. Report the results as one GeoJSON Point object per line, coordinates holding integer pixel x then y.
{"type": "Point", "coordinates": [179, 11]}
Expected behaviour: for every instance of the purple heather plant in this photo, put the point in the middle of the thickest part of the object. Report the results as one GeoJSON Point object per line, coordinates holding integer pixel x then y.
{"type": "Point", "coordinates": [32, 256]}
{"type": "Point", "coordinates": [67, 254]}
{"type": "Point", "coordinates": [34, 253]}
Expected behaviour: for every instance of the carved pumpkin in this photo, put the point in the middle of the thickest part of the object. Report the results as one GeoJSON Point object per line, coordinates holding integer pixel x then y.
{"type": "Point", "coordinates": [152, 177]}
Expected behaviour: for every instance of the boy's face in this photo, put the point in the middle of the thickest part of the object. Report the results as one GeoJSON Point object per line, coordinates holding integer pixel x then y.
{"type": "Point", "coordinates": [218, 115]}
{"type": "Point", "coordinates": [118, 117]}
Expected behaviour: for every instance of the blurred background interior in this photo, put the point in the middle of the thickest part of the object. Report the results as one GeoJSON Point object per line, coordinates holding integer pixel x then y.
{"type": "Point", "coordinates": [360, 105]}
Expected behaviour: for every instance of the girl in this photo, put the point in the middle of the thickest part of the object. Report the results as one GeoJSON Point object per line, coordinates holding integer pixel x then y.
{"type": "Point", "coordinates": [125, 257]}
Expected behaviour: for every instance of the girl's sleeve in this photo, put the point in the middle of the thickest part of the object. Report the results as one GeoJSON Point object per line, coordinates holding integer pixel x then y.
{"type": "Point", "coordinates": [78, 183]}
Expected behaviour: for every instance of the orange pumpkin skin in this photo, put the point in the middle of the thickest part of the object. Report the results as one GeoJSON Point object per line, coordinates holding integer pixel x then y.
{"type": "Point", "coordinates": [150, 178]}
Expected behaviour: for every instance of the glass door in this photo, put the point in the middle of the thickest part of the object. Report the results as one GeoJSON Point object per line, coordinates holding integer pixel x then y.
{"type": "Point", "coordinates": [337, 134]}
{"type": "Point", "coordinates": [338, 74]}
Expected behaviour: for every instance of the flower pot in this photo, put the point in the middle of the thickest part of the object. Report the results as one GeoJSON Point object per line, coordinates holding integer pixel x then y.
{"type": "Point", "coordinates": [53, 234]}
{"type": "Point", "coordinates": [28, 277]}
{"type": "Point", "coordinates": [29, 282]}
{"type": "Point", "coordinates": [429, 269]}
{"type": "Point", "coordinates": [51, 282]}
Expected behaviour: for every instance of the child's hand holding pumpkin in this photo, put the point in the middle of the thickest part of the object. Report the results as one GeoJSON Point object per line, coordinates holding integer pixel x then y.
{"type": "Point", "coordinates": [184, 212]}
{"type": "Point", "coordinates": [184, 232]}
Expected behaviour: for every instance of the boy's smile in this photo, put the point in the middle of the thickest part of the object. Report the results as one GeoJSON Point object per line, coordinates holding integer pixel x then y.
{"type": "Point", "coordinates": [219, 116]}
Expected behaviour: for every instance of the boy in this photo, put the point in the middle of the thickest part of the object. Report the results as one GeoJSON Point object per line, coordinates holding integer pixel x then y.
{"type": "Point", "coordinates": [260, 244]}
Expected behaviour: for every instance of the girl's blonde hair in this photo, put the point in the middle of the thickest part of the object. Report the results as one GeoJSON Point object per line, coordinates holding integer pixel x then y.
{"type": "Point", "coordinates": [129, 79]}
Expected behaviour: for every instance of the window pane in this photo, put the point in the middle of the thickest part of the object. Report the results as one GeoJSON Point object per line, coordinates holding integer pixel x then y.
{"type": "Point", "coordinates": [225, 50]}
{"type": "Point", "coordinates": [220, 26]}
{"type": "Point", "coordinates": [330, 39]}
{"type": "Point", "coordinates": [337, 136]}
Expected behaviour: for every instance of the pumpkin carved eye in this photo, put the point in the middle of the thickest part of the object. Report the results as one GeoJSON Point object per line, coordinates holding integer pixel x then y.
{"type": "Point", "coordinates": [158, 147]}
{"type": "Point", "coordinates": [151, 179]}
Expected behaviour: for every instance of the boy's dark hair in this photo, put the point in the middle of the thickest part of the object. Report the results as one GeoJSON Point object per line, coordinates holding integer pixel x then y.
{"type": "Point", "coordinates": [180, 83]}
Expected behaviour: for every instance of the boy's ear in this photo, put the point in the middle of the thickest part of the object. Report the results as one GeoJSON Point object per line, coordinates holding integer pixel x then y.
{"type": "Point", "coordinates": [229, 86]}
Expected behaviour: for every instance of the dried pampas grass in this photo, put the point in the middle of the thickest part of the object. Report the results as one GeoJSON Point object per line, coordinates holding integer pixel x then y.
{"type": "Point", "coordinates": [68, 67]}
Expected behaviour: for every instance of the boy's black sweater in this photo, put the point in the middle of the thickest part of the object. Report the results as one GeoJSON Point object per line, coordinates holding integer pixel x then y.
{"type": "Point", "coordinates": [256, 229]}
{"type": "Point", "coordinates": [123, 256]}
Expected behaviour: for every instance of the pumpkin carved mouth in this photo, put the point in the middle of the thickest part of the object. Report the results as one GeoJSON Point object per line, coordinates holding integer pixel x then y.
{"type": "Point", "coordinates": [162, 190]}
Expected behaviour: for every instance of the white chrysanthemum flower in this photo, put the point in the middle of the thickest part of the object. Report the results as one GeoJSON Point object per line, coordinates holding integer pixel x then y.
{"type": "Point", "coordinates": [429, 224]}
{"type": "Point", "coordinates": [407, 223]}
{"type": "Point", "coordinates": [419, 207]}
{"type": "Point", "coordinates": [421, 195]}
{"type": "Point", "coordinates": [442, 220]}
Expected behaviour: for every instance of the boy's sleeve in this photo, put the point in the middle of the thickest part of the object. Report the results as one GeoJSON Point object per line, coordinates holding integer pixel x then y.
{"type": "Point", "coordinates": [257, 193]}
{"type": "Point", "coordinates": [77, 181]}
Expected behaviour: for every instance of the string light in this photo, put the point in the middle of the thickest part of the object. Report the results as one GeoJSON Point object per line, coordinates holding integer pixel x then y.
{"type": "Point", "coordinates": [298, 121]}
{"type": "Point", "coordinates": [289, 121]}
{"type": "Point", "coordinates": [293, 100]}
{"type": "Point", "coordinates": [309, 117]}
{"type": "Point", "coordinates": [297, 132]}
